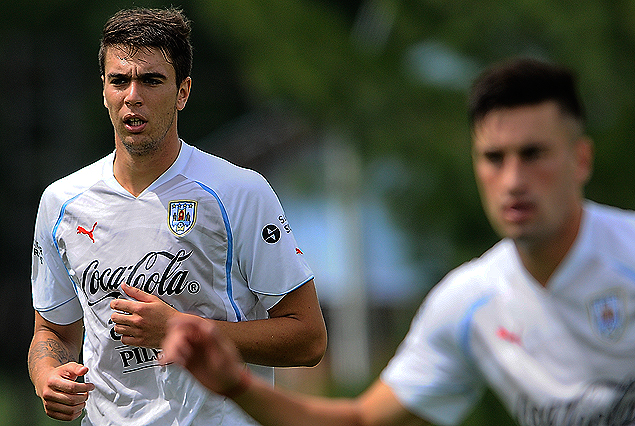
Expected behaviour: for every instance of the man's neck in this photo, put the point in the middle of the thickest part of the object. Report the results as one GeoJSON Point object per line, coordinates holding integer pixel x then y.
{"type": "Point", "coordinates": [541, 259]}
{"type": "Point", "coordinates": [135, 172]}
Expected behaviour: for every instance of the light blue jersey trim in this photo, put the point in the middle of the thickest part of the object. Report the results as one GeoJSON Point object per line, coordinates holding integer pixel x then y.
{"type": "Point", "coordinates": [54, 233]}
{"type": "Point", "coordinates": [624, 270]}
{"type": "Point", "coordinates": [52, 308]}
{"type": "Point", "coordinates": [230, 250]}
{"type": "Point", "coordinates": [466, 321]}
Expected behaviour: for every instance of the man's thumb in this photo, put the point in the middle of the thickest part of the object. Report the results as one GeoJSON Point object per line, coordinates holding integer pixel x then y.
{"type": "Point", "coordinates": [136, 293]}
{"type": "Point", "coordinates": [73, 370]}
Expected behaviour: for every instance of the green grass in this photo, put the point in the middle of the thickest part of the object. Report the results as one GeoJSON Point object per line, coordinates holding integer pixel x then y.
{"type": "Point", "coordinates": [20, 406]}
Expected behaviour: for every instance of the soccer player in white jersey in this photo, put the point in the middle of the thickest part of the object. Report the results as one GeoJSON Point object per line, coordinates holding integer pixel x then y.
{"type": "Point", "coordinates": [545, 318]}
{"type": "Point", "coordinates": [155, 230]}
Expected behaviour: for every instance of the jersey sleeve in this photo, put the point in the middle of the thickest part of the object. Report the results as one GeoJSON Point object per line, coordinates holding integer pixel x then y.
{"type": "Point", "coordinates": [53, 292]}
{"type": "Point", "coordinates": [432, 374]}
{"type": "Point", "coordinates": [266, 249]}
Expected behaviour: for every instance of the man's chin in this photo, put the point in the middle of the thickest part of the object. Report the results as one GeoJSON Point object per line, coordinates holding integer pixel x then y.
{"type": "Point", "coordinates": [516, 232]}
{"type": "Point", "coordinates": [139, 148]}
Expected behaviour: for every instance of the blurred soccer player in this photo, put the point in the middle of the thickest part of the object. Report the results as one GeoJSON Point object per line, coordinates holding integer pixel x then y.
{"type": "Point", "coordinates": [544, 318]}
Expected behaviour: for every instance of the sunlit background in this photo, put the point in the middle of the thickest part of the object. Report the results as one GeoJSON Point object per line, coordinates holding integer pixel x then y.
{"type": "Point", "coordinates": [354, 111]}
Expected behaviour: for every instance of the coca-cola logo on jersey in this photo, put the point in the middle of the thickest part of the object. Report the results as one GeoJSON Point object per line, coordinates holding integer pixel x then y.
{"type": "Point", "coordinates": [158, 272]}
{"type": "Point", "coordinates": [601, 404]}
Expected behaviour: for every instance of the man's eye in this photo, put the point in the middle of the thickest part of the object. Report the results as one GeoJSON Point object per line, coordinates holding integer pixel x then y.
{"type": "Point", "coordinates": [531, 153]}
{"type": "Point", "coordinates": [153, 81]}
{"type": "Point", "coordinates": [494, 157]}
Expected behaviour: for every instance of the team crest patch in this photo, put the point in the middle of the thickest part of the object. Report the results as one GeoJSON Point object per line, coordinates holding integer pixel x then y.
{"type": "Point", "coordinates": [181, 216]}
{"type": "Point", "coordinates": [607, 315]}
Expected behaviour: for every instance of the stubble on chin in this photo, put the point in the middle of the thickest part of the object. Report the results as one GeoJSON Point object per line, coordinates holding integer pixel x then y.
{"type": "Point", "coordinates": [141, 149]}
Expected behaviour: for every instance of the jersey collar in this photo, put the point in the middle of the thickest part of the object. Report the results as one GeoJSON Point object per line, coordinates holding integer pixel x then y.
{"type": "Point", "coordinates": [176, 168]}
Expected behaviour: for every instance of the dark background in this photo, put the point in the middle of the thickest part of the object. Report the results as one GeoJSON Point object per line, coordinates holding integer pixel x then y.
{"type": "Point", "coordinates": [279, 77]}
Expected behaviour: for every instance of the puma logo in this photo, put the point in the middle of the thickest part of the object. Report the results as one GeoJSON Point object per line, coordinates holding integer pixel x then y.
{"type": "Point", "coordinates": [82, 230]}
{"type": "Point", "coordinates": [507, 335]}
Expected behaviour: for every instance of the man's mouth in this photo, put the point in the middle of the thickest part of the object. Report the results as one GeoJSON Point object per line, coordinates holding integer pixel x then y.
{"type": "Point", "coordinates": [134, 124]}
{"type": "Point", "coordinates": [518, 212]}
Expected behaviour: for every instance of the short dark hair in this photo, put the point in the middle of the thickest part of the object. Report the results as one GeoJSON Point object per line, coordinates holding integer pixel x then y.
{"type": "Point", "coordinates": [524, 81]}
{"type": "Point", "coordinates": [165, 29]}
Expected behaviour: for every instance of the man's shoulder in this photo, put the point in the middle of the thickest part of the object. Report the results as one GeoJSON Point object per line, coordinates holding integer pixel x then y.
{"type": "Point", "coordinates": [608, 214]}
{"type": "Point", "coordinates": [220, 174]}
{"type": "Point", "coordinates": [78, 181]}
{"type": "Point", "coordinates": [494, 261]}
{"type": "Point", "coordinates": [611, 229]}
{"type": "Point", "coordinates": [480, 276]}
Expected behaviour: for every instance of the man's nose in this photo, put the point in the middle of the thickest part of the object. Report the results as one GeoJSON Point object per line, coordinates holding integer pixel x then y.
{"type": "Point", "coordinates": [133, 97]}
{"type": "Point", "coordinates": [514, 174]}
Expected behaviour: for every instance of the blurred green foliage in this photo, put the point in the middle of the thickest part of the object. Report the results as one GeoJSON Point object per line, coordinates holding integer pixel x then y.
{"type": "Point", "coordinates": [389, 75]}
{"type": "Point", "coordinates": [359, 74]}
{"type": "Point", "coordinates": [20, 406]}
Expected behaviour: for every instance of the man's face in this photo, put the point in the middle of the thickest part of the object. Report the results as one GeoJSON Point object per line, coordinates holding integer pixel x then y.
{"type": "Point", "coordinates": [531, 164]}
{"type": "Point", "coordinates": [142, 98]}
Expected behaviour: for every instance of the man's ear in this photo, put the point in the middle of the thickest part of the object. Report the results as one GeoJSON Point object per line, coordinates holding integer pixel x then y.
{"type": "Point", "coordinates": [103, 90]}
{"type": "Point", "coordinates": [184, 93]}
{"type": "Point", "coordinates": [584, 153]}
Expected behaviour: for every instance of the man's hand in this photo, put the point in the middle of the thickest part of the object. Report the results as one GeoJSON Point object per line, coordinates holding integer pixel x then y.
{"type": "Point", "coordinates": [62, 396]}
{"type": "Point", "coordinates": [142, 321]}
{"type": "Point", "coordinates": [198, 345]}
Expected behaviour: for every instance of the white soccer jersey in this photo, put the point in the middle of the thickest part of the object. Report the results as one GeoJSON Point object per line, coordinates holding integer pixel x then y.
{"type": "Point", "coordinates": [207, 237]}
{"type": "Point", "coordinates": [563, 355]}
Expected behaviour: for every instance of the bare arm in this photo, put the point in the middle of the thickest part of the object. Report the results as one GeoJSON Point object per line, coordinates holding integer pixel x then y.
{"type": "Point", "coordinates": [53, 368]}
{"type": "Point", "coordinates": [205, 351]}
{"type": "Point", "coordinates": [294, 335]}
{"type": "Point", "coordinates": [377, 406]}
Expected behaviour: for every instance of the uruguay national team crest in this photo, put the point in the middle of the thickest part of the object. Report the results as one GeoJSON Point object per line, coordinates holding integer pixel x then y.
{"type": "Point", "coordinates": [181, 216]}
{"type": "Point", "coordinates": [607, 315]}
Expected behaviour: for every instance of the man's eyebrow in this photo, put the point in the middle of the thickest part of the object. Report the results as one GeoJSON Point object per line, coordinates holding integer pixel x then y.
{"type": "Point", "coordinates": [157, 75]}
{"type": "Point", "coordinates": [153, 75]}
{"type": "Point", "coordinates": [112, 75]}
